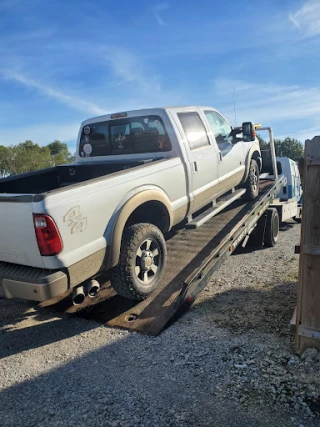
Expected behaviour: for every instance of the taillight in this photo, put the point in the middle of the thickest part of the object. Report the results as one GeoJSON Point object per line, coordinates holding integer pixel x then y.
{"type": "Point", "coordinates": [48, 236]}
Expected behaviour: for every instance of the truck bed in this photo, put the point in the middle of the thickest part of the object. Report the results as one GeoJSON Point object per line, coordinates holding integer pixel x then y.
{"type": "Point", "coordinates": [61, 176]}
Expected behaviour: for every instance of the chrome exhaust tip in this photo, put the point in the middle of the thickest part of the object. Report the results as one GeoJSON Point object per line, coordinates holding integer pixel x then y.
{"type": "Point", "coordinates": [78, 295]}
{"type": "Point", "coordinates": [93, 288]}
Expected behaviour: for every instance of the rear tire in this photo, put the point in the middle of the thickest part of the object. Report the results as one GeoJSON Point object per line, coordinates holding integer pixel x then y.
{"type": "Point", "coordinates": [142, 261]}
{"type": "Point", "coordinates": [252, 182]}
{"type": "Point", "coordinates": [272, 228]}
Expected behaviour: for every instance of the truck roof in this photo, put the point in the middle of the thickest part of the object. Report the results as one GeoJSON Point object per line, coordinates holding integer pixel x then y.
{"type": "Point", "coordinates": [144, 111]}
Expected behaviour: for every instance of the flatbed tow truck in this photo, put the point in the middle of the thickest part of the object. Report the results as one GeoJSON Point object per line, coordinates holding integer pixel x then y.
{"type": "Point", "coordinates": [193, 257]}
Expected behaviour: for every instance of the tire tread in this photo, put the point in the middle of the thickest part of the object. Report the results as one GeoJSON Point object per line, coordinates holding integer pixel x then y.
{"type": "Point", "coordinates": [122, 276]}
{"type": "Point", "coordinates": [269, 239]}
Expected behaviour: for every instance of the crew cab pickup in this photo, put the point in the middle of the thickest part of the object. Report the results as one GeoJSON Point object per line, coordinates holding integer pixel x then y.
{"type": "Point", "coordinates": [137, 174]}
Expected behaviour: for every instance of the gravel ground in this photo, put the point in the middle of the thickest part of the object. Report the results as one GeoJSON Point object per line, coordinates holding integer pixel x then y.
{"type": "Point", "coordinates": [227, 362]}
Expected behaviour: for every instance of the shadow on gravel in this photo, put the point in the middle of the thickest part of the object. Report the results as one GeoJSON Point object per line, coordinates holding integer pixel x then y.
{"type": "Point", "coordinates": [286, 226]}
{"type": "Point", "coordinates": [254, 245]}
{"type": "Point", "coordinates": [14, 341]}
{"type": "Point", "coordinates": [268, 310]}
{"type": "Point", "coordinates": [166, 381]}
{"type": "Point", "coordinates": [133, 381]}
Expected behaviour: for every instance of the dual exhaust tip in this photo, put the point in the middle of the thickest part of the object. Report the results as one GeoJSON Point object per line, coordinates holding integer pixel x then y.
{"type": "Point", "coordinates": [90, 289]}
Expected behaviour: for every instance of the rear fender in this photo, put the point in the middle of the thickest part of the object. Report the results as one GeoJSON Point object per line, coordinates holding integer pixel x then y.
{"type": "Point", "coordinates": [125, 212]}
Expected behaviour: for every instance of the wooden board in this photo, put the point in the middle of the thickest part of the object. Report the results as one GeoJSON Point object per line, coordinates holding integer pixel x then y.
{"type": "Point", "coordinates": [308, 306]}
{"type": "Point", "coordinates": [293, 321]}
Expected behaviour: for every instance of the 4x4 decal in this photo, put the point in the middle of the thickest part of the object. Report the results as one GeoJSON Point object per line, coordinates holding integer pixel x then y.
{"type": "Point", "coordinates": [75, 221]}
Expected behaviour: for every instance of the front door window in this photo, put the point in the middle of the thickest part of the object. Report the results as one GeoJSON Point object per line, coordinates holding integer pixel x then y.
{"type": "Point", "coordinates": [221, 129]}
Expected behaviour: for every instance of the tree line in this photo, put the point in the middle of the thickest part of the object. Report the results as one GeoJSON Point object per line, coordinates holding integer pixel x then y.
{"type": "Point", "coordinates": [288, 147]}
{"type": "Point", "coordinates": [29, 156]}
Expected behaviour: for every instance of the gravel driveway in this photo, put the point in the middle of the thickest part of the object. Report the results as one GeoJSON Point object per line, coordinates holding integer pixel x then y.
{"type": "Point", "coordinates": [227, 362]}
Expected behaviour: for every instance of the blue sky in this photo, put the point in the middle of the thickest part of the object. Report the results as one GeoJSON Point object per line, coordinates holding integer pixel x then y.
{"type": "Point", "coordinates": [65, 61]}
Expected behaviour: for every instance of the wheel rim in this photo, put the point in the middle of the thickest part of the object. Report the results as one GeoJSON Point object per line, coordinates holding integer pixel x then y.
{"type": "Point", "coordinates": [275, 227]}
{"type": "Point", "coordinates": [255, 180]}
{"type": "Point", "coordinates": [148, 261]}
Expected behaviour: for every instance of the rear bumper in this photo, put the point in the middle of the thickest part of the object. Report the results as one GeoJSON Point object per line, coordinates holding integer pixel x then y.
{"type": "Point", "coordinates": [18, 281]}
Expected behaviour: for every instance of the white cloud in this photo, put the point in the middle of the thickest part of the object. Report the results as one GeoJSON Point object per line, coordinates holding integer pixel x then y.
{"type": "Point", "coordinates": [157, 12]}
{"type": "Point", "coordinates": [70, 101]}
{"type": "Point", "coordinates": [295, 22]}
{"type": "Point", "coordinates": [271, 104]}
{"type": "Point", "coordinates": [307, 18]}
{"type": "Point", "coordinates": [128, 68]}
{"type": "Point", "coordinates": [304, 134]}
{"type": "Point", "coordinates": [42, 134]}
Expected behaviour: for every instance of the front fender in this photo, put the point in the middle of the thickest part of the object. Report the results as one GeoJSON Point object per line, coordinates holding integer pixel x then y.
{"type": "Point", "coordinates": [253, 153]}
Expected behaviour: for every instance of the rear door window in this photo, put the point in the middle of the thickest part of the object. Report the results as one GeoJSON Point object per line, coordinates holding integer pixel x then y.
{"type": "Point", "coordinates": [134, 135]}
{"type": "Point", "coordinates": [194, 129]}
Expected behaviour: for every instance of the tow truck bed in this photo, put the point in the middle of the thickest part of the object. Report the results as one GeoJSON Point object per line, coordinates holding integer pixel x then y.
{"type": "Point", "coordinates": [193, 256]}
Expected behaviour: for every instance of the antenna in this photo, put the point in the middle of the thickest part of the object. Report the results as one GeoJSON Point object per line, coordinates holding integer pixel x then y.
{"type": "Point", "coordinates": [234, 107]}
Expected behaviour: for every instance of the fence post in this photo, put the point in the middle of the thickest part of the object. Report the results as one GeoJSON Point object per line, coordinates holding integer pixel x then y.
{"type": "Point", "coordinates": [308, 305]}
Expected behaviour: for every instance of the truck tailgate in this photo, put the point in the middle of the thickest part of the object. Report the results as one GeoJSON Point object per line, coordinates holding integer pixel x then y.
{"type": "Point", "coordinates": [18, 244]}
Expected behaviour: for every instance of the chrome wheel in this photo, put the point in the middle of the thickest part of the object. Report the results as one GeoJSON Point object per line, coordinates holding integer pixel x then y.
{"type": "Point", "coordinates": [252, 182]}
{"type": "Point", "coordinates": [148, 261]}
{"type": "Point", "coordinates": [255, 180]}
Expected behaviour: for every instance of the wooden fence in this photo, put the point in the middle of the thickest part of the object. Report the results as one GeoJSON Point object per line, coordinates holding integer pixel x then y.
{"type": "Point", "coordinates": [308, 304]}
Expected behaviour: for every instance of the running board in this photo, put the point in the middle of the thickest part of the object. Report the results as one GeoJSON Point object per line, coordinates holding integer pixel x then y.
{"type": "Point", "coordinates": [218, 207]}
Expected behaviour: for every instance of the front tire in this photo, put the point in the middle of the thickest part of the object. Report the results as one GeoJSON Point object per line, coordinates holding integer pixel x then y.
{"type": "Point", "coordinates": [252, 182]}
{"type": "Point", "coordinates": [142, 261]}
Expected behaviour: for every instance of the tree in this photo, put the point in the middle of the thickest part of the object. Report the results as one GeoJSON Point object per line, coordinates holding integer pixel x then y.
{"type": "Point", "coordinates": [4, 161]}
{"type": "Point", "coordinates": [60, 153]}
{"type": "Point", "coordinates": [263, 144]}
{"type": "Point", "coordinates": [26, 157]}
{"type": "Point", "coordinates": [288, 147]}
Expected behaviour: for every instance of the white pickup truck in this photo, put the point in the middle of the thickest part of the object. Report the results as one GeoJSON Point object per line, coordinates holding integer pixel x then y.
{"type": "Point", "coordinates": [137, 174]}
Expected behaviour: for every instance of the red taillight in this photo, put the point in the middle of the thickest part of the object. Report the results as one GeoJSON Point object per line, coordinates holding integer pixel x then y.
{"type": "Point", "coordinates": [48, 236]}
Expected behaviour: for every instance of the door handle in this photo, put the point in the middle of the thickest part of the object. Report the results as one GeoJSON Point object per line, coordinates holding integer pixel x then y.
{"type": "Point", "coordinates": [220, 156]}
{"type": "Point", "coordinates": [195, 167]}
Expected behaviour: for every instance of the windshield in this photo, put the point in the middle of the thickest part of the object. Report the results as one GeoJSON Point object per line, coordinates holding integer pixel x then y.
{"type": "Point", "coordinates": [144, 134]}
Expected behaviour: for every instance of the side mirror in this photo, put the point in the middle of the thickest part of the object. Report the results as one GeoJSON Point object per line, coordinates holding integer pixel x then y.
{"type": "Point", "coordinates": [236, 134]}
{"type": "Point", "coordinates": [249, 131]}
